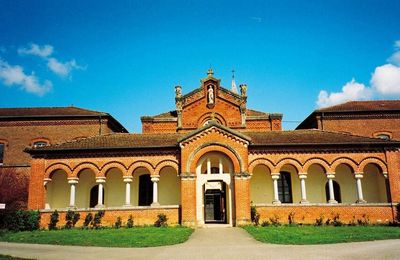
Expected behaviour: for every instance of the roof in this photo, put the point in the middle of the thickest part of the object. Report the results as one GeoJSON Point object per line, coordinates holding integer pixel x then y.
{"type": "Point", "coordinates": [173, 114]}
{"type": "Point", "coordinates": [48, 111]}
{"type": "Point", "coordinates": [311, 137]}
{"type": "Point", "coordinates": [355, 106]}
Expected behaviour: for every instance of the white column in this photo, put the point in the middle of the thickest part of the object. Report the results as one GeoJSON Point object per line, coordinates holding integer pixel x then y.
{"type": "Point", "coordinates": [275, 177]}
{"type": "Point", "coordinates": [155, 180]}
{"type": "Point", "coordinates": [221, 166]}
{"type": "Point", "coordinates": [358, 177]}
{"type": "Point", "coordinates": [100, 181]}
{"type": "Point", "coordinates": [128, 180]}
{"type": "Point", "coordinates": [72, 182]}
{"type": "Point", "coordinates": [208, 166]}
{"type": "Point", "coordinates": [303, 177]}
{"type": "Point", "coordinates": [46, 196]}
{"type": "Point", "coordinates": [330, 177]}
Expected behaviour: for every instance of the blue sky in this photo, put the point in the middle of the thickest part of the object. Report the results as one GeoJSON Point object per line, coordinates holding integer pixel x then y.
{"type": "Point", "coordinates": [125, 57]}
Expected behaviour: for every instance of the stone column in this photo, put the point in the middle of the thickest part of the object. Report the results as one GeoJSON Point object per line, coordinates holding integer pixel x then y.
{"type": "Point", "coordinates": [46, 196]}
{"type": "Point", "coordinates": [221, 166]}
{"type": "Point", "coordinates": [330, 177]}
{"type": "Point", "coordinates": [155, 180]}
{"type": "Point", "coordinates": [208, 166]}
{"type": "Point", "coordinates": [128, 180]}
{"type": "Point", "coordinates": [275, 178]}
{"type": "Point", "coordinates": [242, 198]}
{"type": "Point", "coordinates": [72, 182]}
{"type": "Point", "coordinates": [303, 177]}
{"type": "Point", "coordinates": [100, 181]}
{"type": "Point", "coordinates": [188, 199]}
{"type": "Point", "coordinates": [360, 195]}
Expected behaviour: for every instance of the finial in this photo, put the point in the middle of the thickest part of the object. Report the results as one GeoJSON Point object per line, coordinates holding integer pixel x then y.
{"type": "Point", "coordinates": [233, 87]}
{"type": "Point", "coordinates": [233, 73]}
{"type": "Point", "coordinates": [210, 72]}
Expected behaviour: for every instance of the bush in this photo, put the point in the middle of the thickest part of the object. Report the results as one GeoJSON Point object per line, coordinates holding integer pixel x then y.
{"type": "Point", "coordinates": [118, 223]}
{"type": "Point", "coordinates": [275, 220]}
{"type": "Point", "coordinates": [398, 213]}
{"type": "Point", "coordinates": [353, 221]}
{"type": "Point", "coordinates": [336, 221]}
{"type": "Point", "coordinates": [291, 218]}
{"type": "Point", "coordinates": [364, 221]}
{"type": "Point", "coordinates": [70, 219]}
{"type": "Point", "coordinates": [53, 220]}
{"type": "Point", "coordinates": [319, 221]}
{"type": "Point", "coordinates": [88, 220]}
{"type": "Point", "coordinates": [129, 224]}
{"type": "Point", "coordinates": [161, 220]}
{"type": "Point", "coordinates": [20, 220]}
{"type": "Point", "coordinates": [255, 216]}
{"type": "Point", "coordinates": [96, 223]}
{"type": "Point", "coordinates": [265, 223]}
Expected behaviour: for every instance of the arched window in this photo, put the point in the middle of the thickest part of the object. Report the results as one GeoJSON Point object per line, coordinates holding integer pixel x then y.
{"type": "Point", "coordinates": [39, 144]}
{"type": "Point", "coordinates": [285, 188]}
{"type": "Point", "coordinates": [336, 191]}
{"type": "Point", "coordinates": [383, 136]}
{"type": "Point", "coordinates": [94, 196]}
{"type": "Point", "coordinates": [145, 190]}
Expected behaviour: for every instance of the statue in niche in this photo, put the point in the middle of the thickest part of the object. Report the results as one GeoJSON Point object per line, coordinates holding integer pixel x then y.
{"type": "Point", "coordinates": [210, 95]}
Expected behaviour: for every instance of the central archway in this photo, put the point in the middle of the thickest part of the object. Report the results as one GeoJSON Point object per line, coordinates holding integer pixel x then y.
{"type": "Point", "coordinates": [214, 188]}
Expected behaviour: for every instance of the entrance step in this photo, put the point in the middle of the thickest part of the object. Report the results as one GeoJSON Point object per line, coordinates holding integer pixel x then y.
{"type": "Point", "coordinates": [216, 226]}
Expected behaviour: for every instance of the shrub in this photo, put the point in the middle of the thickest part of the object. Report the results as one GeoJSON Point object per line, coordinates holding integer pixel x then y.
{"type": "Point", "coordinates": [265, 223]}
{"type": "Point", "coordinates": [353, 221]}
{"type": "Point", "coordinates": [319, 221]}
{"type": "Point", "coordinates": [118, 223]}
{"type": "Point", "coordinates": [75, 219]}
{"type": "Point", "coordinates": [336, 221]}
{"type": "Point", "coordinates": [96, 223]}
{"type": "Point", "coordinates": [161, 220]}
{"type": "Point", "coordinates": [20, 220]}
{"type": "Point", "coordinates": [70, 219]}
{"type": "Point", "coordinates": [129, 223]}
{"type": "Point", "coordinates": [291, 220]}
{"type": "Point", "coordinates": [398, 213]}
{"type": "Point", "coordinates": [364, 221]}
{"type": "Point", "coordinates": [53, 220]}
{"type": "Point", "coordinates": [275, 220]}
{"type": "Point", "coordinates": [88, 220]}
{"type": "Point", "coordinates": [255, 216]}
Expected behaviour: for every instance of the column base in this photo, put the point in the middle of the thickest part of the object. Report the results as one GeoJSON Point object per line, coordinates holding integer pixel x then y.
{"type": "Point", "coordinates": [155, 204]}
{"type": "Point", "coordinates": [332, 202]}
{"type": "Point", "coordinates": [99, 206]}
{"type": "Point", "coordinates": [47, 206]}
{"type": "Point", "coordinates": [71, 207]}
{"type": "Point", "coordinates": [276, 202]}
{"type": "Point", "coordinates": [361, 201]}
{"type": "Point", "coordinates": [127, 205]}
{"type": "Point", "coordinates": [304, 202]}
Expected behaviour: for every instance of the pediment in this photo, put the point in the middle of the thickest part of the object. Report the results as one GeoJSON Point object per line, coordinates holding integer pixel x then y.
{"type": "Point", "coordinates": [211, 128]}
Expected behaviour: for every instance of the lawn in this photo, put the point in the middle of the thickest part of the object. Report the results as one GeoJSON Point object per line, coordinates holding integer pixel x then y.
{"type": "Point", "coordinates": [124, 237]}
{"type": "Point", "coordinates": [310, 235]}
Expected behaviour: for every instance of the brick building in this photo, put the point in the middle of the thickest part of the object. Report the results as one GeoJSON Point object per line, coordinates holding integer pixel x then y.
{"type": "Point", "coordinates": [212, 157]}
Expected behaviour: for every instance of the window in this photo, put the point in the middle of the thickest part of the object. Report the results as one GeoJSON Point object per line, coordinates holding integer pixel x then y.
{"type": "Point", "coordinates": [1, 153]}
{"type": "Point", "coordinates": [145, 190]}
{"type": "Point", "coordinates": [39, 144]}
{"type": "Point", "coordinates": [285, 188]}
{"type": "Point", "coordinates": [383, 136]}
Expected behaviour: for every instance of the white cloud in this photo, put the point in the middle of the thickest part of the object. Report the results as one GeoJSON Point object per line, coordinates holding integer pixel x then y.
{"type": "Point", "coordinates": [352, 90]}
{"type": "Point", "coordinates": [37, 50]}
{"type": "Point", "coordinates": [386, 80]}
{"type": "Point", "coordinates": [62, 69]}
{"type": "Point", "coordinates": [395, 58]}
{"type": "Point", "coordinates": [15, 75]}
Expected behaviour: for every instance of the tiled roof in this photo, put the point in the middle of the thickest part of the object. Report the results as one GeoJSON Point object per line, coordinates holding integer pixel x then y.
{"type": "Point", "coordinates": [251, 112]}
{"type": "Point", "coordinates": [355, 106]}
{"type": "Point", "coordinates": [173, 114]}
{"type": "Point", "coordinates": [310, 137]}
{"type": "Point", "coordinates": [48, 111]}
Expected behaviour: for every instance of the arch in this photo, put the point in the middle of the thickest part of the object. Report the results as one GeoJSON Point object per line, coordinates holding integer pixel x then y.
{"type": "Point", "coordinates": [262, 161]}
{"type": "Point", "coordinates": [207, 116]}
{"type": "Point", "coordinates": [139, 164]}
{"type": "Point", "coordinates": [378, 162]}
{"type": "Point", "coordinates": [85, 165]}
{"type": "Point", "coordinates": [238, 165]}
{"type": "Point", "coordinates": [321, 162]}
{"type": "Point", "coordinates": [290, 161]}
{"type": "Point", "coordinates": [106, 167]}
{"type": "Point", "coordinates": [58, 166]}
{"type": "Point", "coordinates": [166, 163]}
{"type": "Point", "coordinates": [344, 160]}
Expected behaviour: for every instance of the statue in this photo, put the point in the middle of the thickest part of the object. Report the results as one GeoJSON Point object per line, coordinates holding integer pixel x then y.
{"type": "Point", "coordinates": [178, 91]}
{"type": "Point", "coordinates": [210, 95]}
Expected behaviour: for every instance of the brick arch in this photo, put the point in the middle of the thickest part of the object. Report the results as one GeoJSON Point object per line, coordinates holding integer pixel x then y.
{"type": "Point", "coordinates": [344, 160]}
{"type": "Point", "coordinates": [321, 162]}
{"type": "Point", "coordinates": [203, 118]}
{"type": "Point", "coordinates": [86, 165]}
{"type": "Point", "coordinates": [261, 161]}
{"type": "Point", "coordinates": [166, 163]}
{"type": "Point", "coordinates": [58, 166]}
{"type": "Point", "coordinates": [194, 157]}
{"type": "Point", "coordinates": [108, 166]}
{"type": "Point", "coordinates": [372, 160]}
{"type": "Point", "coordinates": [139, 164]}
{"type": "Point", "coordinates": [289, 161]}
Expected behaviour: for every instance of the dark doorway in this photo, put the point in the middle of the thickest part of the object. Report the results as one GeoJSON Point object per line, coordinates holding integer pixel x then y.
{"type": "Point", "coordinates": [336, 191]}
{"type": "Point", "coordinates": [145, 190]}
{"type": "Point", "coordinates": [215, 205]}
{"type": "Point", "coordinates": [285, 188]}
{"type": "Point", "coordinates": [94, 196]}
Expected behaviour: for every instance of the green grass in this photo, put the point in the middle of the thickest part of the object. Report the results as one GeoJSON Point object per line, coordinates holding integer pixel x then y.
{"type": "Point", "coordinates": [124, 237]}
{"type": "Point", "coordinates": [310, 235]}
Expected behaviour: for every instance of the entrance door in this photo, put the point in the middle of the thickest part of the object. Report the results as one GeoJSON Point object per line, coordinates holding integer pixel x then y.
{"type": "Point", "coordinates": [215, 206]}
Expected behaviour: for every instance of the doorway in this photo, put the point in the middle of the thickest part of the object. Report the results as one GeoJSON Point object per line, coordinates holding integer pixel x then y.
{"type": "Point", "coordinates": [215, 204]}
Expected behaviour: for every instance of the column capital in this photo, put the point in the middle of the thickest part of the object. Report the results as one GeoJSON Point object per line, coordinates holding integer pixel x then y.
{"type": "Point", "coordinates": [358, 175]}
{"type": "Point", "coordinates": [302, 175]}
{"type": "Point", "coordinates": [46, 181]}
{"type": "Point", "coordinates": [128, 178]}
{"type": "Point", "coordinates": [73, 180]}
{"type": "Point", "coordinates": [330, 175]}
{"type": "Point", "coordinates": [275, 175]}
{"type": "Point", "coordinates": [155, 178]}
{"type": "Point", "coordinates": [100, 179]}
{"type": "Point", "coordinates": [385, 174]}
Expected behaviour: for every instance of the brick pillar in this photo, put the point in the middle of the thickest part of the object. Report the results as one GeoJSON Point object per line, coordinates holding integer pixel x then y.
{"type": "Point", "coordinates": [393, 165]}
{"type": "Point", "coordinates": [36, 193]}
{"type": "Point", "coordinates": [242, 199]}
{"type": "Point", "coordinates": [188, 199]}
